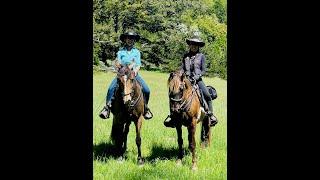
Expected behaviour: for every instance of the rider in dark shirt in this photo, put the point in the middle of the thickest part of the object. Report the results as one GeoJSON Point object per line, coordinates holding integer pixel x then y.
{"type": "Point", "coordinates": [193, 65]}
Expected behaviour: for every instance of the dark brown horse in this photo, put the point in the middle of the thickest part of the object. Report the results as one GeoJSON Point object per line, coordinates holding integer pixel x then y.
{"type": "Point", "coordinates": [127, 107]}
{"type": "Point", "coordinates": [186, 111]}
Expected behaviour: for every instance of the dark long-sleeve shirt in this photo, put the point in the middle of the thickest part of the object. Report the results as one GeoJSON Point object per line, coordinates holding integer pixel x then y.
{"type": "Point", "coordinates": [194, 64]}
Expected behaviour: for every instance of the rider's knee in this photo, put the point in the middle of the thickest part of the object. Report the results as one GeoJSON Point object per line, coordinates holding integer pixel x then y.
{"type": "Point", "coordinates": [146, 90]}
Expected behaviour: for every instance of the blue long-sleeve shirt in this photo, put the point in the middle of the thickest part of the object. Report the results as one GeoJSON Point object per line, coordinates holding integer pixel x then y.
{"type": "Point", "coordinates": [125, 57]}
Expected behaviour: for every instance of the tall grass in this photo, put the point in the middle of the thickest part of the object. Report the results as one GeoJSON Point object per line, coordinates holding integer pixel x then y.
{"type": "Point", "coordinates": [159, 143]}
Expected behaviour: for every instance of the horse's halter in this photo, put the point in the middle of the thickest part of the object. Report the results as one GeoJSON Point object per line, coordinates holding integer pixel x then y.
{"type": "Point", "coordinates": [176, 99]}
{"type": "Point", "coordinates": [180, 103]}
{"type": "Point", "coordinates": [179, 94]}
{"type": "Point", "coordinates": [128, 97]}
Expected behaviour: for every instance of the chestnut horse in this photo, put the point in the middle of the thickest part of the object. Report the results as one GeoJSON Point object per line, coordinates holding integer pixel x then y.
{"type": "Point", "coordinates": [186, 111]}
{"type": "Point", "coordinates": [127, 107]}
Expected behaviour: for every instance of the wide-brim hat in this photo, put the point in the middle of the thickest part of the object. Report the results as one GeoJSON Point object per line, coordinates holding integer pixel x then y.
{"type": "Point", "coordinates": [196, 41]}
{"type": "Point", "coordinates": [132, 34]}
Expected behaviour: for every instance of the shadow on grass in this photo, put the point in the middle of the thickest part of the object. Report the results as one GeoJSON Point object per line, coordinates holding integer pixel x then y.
{"type": "Point", "coordinates": [104, 150]}
{"type": "Point", "coordinates": [159, 152]}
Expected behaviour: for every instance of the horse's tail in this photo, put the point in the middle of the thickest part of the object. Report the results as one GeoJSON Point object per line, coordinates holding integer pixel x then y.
{"type": "Point", "coordinates": [117, 131]}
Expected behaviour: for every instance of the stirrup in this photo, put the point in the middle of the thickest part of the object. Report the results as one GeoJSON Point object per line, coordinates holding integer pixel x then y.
{"type": "Point", "coordinates": [105, 113]}
{"type": "Point", "coordinates": [147, 112]}
{"type": "Point", "coordinates": [169, 123]}
{"type": "Point", "coordinates": [214, 121]}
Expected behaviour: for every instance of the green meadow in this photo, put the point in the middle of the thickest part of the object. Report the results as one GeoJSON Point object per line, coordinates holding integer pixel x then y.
{"type": "Point", "coordinates": [159, 143]}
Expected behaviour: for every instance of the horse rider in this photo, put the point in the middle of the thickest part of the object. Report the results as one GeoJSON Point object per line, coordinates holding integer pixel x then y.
{"type": "Point", "coordinates": [125, 56]}
{"type": "Point", "coordinates": [194, 66]}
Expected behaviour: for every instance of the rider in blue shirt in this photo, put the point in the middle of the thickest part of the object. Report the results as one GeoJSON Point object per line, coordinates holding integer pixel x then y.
{"type": "Point", "coordinates": [125, 56]}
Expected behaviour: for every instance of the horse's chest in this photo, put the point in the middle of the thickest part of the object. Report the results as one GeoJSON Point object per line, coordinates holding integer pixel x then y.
{"type": "Point", "coordinates": [185, 119]}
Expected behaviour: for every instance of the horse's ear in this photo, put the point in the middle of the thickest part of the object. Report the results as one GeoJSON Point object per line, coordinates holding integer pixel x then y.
{"type": "Point", "coordinates": [183, 75]}
{"type": "Point", "coordinates": [171, 75]}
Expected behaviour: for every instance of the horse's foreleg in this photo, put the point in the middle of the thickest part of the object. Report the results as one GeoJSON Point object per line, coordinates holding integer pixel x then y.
{"type": "Point", "coordinates": [192, 142]}
{"type": "Point", "coordinates": [138, 139]}
{"type": "Point", "coordinates": [180, 143]}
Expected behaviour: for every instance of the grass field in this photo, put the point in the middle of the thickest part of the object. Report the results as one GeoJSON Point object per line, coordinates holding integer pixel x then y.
{"type": "Point", "coordinates": [159, 143]}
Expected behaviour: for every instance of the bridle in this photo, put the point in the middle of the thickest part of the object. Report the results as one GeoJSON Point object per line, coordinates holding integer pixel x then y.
{"type": "Point", "coordinates": [182, 87]}
{"type": "Point", "coordinates": [184, 103]}
{"type": "Point", "coordinates": [133, 102]}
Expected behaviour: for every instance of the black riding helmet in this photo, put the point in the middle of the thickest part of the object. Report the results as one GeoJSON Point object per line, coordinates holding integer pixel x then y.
{"type": "Point", "coordinates": [131, 34]}
{"type": "Point", "coordinates": [196, 41]}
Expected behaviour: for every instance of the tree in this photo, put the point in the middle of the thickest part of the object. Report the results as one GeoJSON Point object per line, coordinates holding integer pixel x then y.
{"type": "Point", "coordinates": [163, 27]}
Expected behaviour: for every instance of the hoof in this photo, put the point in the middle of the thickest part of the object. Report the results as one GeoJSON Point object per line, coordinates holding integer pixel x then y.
{"type": "Point", "coordinates": [179, 162]}
{"type": "Point", "coordinates": [194, 167]}
{"type": "Point", "coordinates": [120, 160]}
{"type": "Point", "coordinates": [204, 144]}
{"type": "Point", "coordinates": [140, 162]}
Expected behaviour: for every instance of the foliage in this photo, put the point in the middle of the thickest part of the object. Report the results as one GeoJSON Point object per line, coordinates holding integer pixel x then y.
{"type": "Point", "coordinates": [163, 27]}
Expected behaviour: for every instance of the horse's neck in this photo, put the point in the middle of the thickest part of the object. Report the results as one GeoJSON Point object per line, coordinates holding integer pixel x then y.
{"type": "Point", "coordinates": [187, 92]}
{"type": "Point", "coordinates": [137, 88]}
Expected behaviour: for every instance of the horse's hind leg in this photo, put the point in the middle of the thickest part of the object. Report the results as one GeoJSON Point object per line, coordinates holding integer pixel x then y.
{"type": "Point", "coordinates": [192, 142]}
{"type": "Point", "coordinates": [180, 143]}
{"type": "Point", "coordinates": [138, 139]}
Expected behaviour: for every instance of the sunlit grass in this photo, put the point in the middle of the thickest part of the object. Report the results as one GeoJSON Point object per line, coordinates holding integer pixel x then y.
{"type": "Point", "coordinates": [159, 144]}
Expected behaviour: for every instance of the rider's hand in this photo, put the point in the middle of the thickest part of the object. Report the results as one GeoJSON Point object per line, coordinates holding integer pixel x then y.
{"type": "Point", "coordinates": [188, 73]}
{"type": "Point", "coordinates": [197, 77]}
{"type": "Point", "coordinates": [135, 72]}
{"type": "Point", "coordinates": [192, 80]}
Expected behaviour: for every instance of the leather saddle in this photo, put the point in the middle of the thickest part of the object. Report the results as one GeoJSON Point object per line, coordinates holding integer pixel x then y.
{"type": "Point", "coordinates": [203, 102]}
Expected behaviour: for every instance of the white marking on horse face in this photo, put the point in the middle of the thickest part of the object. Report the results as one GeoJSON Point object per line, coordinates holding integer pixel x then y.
{"type": "Point", "coordinates": [126, 98]}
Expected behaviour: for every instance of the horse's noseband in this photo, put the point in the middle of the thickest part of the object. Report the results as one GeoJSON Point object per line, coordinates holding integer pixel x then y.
{"type": "Point", "coordinates": [130, 93]}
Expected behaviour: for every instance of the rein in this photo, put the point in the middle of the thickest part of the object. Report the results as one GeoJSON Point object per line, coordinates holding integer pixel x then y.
{"type": "Point", "coordinates": [186, 103]}
{"type": "Point", "coordinates": [133, 103]}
